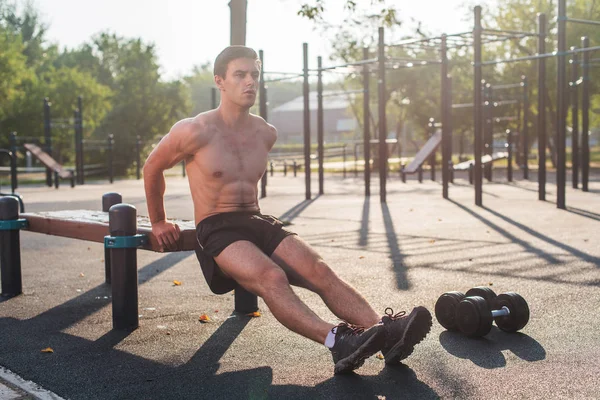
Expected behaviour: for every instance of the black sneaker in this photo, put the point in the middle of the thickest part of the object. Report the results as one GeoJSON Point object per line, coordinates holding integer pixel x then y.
{"type": "Point", "coordinates": [403, 332]}
{"type": "Point", "coordinates": [353, 345]}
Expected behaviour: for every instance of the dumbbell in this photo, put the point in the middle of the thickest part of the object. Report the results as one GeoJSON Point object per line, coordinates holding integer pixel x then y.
{"type": "Point", "coordinates": [473, 313]}
{"type": "Point", "coordinates": [447, 304]}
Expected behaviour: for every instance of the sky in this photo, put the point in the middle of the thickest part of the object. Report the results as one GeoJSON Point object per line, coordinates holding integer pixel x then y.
{"type": "Point", "coordinates": [193, 32]}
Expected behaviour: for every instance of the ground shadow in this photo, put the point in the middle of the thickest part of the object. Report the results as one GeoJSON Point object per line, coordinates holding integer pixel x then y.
{"type": "Point", "coordinates": [584, 213]}
{"type": "Point", "coordinates": [395, 254]}
{"type": "Point", "coordinates": [363, 238]}
{"type": "Point", "coordinates": [486, 352]}
{"type": "Point", "coordinates": [289, 215]}
{"type": "Point", "coordinates": [577, 253]}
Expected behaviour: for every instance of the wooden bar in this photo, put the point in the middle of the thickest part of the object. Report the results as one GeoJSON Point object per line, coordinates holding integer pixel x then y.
{"type": "Point", "coordinates": [93, 226]}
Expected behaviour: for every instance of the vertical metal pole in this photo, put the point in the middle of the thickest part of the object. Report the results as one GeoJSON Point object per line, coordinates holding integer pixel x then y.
{"type": "Point", "coordinates": [525, 132]}
{"type": "Point", "coordinates": [585, 116]}
{"type": "Point", "coordinates": [344, 160]}
{"type": "Point", "coordinates": [542, 108]}
{"type": "Point", "coordinates": [110, 143]}
{"type": "Point", "coordinates": [509, 145]}
{"type": "Point", "coordinates": [13, 161]}
{"type": "Point", "coordinates": [122, 221]}
{"type": "Point", "coordinates": [355, 160]}
{"type": "Point", "coordinates": [10, 249]}
{"type": "Point", "coordinates": [381, 103]}
{"type": "Point", "coordinates": [448, 124]}
{"type": "Point", "coordinates": [477, 109]}
{"type": "Point", "coordinates": [432, 157]}
{"type": "Point", "coordinates": [366, 124]}
{"type": "Point", "coordinates": [489, 131]}
{"type": "Point", "coordinates": [320, 121]}
{"type": "Point", "coordinates": [306, 92]}
{"type": "Point", "coordinates": [575, 119]}
{"type": "Point", "coordinates": [80, 141]}
{"type": "Point", "coordinates": [213, 91]}
{"type": "Point", "coordinates": [77, 154]}
{"type": "Point", "coordinates": [109, 200]}
{"type": "Point", "coordinates": [262, 106]}
{"type": "Point", "coordinates": [445, 97]}
{"type": "Point", "coordinates": [239, 9]}
{"type": "Point", "coordinates": [138, 151]}
{"type": "Point", "coordinates": [48, 138]}
{"type": "Point", "coordinates": [561, 105]}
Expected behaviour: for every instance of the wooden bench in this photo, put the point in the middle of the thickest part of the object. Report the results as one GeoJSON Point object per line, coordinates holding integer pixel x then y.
{"type": "Point", "coordinates": [49, 162]}
{"type": "Point", "coordinates": [121, 221]}
{"type": "Point", "coordinates": [424, 153]}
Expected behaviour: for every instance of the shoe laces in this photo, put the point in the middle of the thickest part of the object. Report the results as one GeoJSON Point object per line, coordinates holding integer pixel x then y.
{"type": "Point", "coordinates": [353, 329]}
{"type": "Point", "coordinates": [390, 314]}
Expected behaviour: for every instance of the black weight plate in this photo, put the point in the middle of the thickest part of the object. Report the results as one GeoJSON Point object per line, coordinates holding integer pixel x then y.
{"type": "Point", "coordinates": [474, 317]}
{"type": "Point", "coordinates": [445, 309]}
{"type": "Point", "coordinates": [482, 291]}
{"type": "Point", "coordinates": [519, 311]}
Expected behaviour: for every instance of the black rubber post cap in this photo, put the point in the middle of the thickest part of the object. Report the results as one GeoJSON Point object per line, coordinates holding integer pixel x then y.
{"type": "Point", "coordinates": [122, 220]}
{"type": "Point", "coordinates": [110, 199]}
{"type": "Point", "coordinates": [9, 208]}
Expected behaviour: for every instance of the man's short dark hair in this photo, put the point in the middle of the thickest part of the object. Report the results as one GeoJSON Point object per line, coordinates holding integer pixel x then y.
{"type": "Point", "coordinates": [229, 54]}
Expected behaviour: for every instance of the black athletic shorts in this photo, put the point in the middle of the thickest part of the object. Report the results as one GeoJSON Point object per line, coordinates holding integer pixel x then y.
{"type": "Point", "coordinates": [218, 231]}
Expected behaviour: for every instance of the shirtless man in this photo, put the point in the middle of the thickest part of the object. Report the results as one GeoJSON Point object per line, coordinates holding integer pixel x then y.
{"type": "Point", "coordinates": [226, 151]}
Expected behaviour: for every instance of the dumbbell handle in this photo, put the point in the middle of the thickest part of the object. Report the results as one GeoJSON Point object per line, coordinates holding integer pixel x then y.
{"type": "Point", "coordinates": [504, 311]}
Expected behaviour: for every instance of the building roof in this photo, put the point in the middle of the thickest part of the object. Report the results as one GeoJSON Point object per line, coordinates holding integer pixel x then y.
{"type": "Point", "coordinates": [332, 100]}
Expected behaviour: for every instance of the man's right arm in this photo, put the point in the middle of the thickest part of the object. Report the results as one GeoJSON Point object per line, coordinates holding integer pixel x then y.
{"type": "Point", "coordinates": [180, 142]}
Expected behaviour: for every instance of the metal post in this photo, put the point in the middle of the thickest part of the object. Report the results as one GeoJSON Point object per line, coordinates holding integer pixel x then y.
{"type": "Point", "coordinates": [77, 154]}
{"type": "Point", "coordinates": [448, 124]}
{"type": "Point", "coordinates": [306, 93]}
{"type": "Point", "coordinates": [366, 124]}
{"type": "Point", "coordinates": [509, 146]}
{"type": "Point", "coordinates": [295, 168]}
{"type": "Point", "coordinates": [109, 200]}
{"type": "Point", "coordinates": [575, 119]}
{"type": "Point", "coordinates": [13, 161]}
{"type": "Point", "coordinates": [381, 103]}
{"type": "Point", "coordinates": [561, 105]}
{"type": "Point", "coordinates": [79, 122]}
{"type": "Point", "coordinates": [262, 109]}
{"type": "Point", "coordinates": [525, 132]}
{"type": "Point", "coordinates": [213, 91]}
{"type": "Point", "coordinates": [122, 221]}
{"type": "Point", "coordinates": [445, 99]}
{"type": "Point", "coordinates": [239, 9]}
{"type": "Point", "coordinates": [10, 249]}
{"type": "Point", "coordinates": [245, 302]}
{"type": "Point", "coordinates": [477, 109]}
{"type": "Point", "coordinates": [542, 108]}
{"type": "Point", "coordinates": [271, 168]}
{"type": "Point", "coordinates": [344, 159]}
{"type": "Point", "coordinates": [320, 121]}
{"type": "Point", "coordinates": [585, 116]}
{"type": "Point", "coordinates": [489, 131]}
{"type": "Point", "coordinates": [48, 138]}
{"type": "Point", "coordinates": [110, 142]}
{"type": "Point", "coordinates": [138, 162]}
{"type": "Point", "coordinates": [432, 157]}
{"type": "Point", "coordinates": [355, 160]}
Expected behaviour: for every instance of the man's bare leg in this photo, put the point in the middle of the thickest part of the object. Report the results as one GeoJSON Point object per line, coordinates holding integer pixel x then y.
{"type": "Point", "coordinates": [307, 269]}
{"type": "Point", "coordinates": [257, 273]}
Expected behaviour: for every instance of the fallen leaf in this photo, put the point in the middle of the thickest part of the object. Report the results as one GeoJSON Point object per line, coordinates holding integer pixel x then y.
{"type": "Point", "coordinates": [216, 310]}
{"type": "Point", "coordinates": [361, 257]}
{"type": "Point", "coordinates": [439, 219]}
{"type": "Point", "coordinates": [81, 275]}
{"type": "Point", "coordinates": [470, 259]}
{"type": "Point", "coordinates": [177, 283]}
{"type": "Point", "coordinates": [167, 333]}
{"type": "Point", "coordinates": [380, 356]}
{"type": "Point", "coordinates": [47, 350]}
{"type": "Point", "coordinates": [102, 260]}
{"type": "Point", "coordinates": [432, 241]}
{"type": "Point", "coordinates": [491, 284]}
{"type": "Point", "coordinates": [254, 314]}
{"type": "Point", "coordinates": [204, 318]}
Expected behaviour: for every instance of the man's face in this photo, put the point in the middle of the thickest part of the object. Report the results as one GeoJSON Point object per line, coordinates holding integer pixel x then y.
{"type": "Point", "coordinates": [241, 82]}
